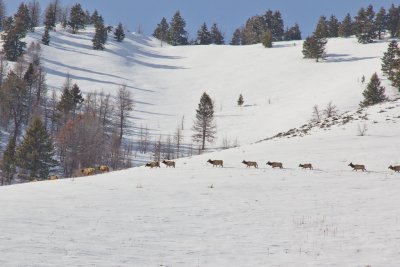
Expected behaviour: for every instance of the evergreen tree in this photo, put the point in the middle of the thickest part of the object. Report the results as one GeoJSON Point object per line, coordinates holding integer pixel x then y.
{"type": "Point", "coordinates": [3, 14]}
{"type": "Point", "coordinates": [314, 47]}
{"type": "Point", "coordinates": [66, 104]}
{"type": "Point", "coordinates": [100, 36]}
{"type": "Point", "coordinates": [293, 33]}
{"type": "Point", "coordinates": [76, 18]}
{"type": "Point", "coordinates": [240, 101]}
{"type": "Point", "coordinates": [236, 37]}
{"type": "Point", "coordinates": [390, 59]}
{"type": "Point", "coordinates": [374, 93]}
{"type": "Point", "coordinates": [333, 27]}
{"type": "Point", "coordinates": [253, 30]}
{"type": "Point", "coordinates": [77, 98]}
{"type": "Point", "coordinates": [13, 47]}
{"type": "Point", "coordinates": [23, 22]}
{"type": "Point", "coordinates": [36, 152]}
{"type": "Point", "coordinates": [34, 14]}
{"type": "Point", "coordinates": [50, 17]}
{"type": "Point", "coordinates": [322, 29]}
{"type": "Point", "coordinates": [204, 126]}
{"type": "Point", "coordinates": [277, 28]}
{"type": "Point", "coordinates": [203, 35]}
{"type": "Point", "coordinates": [267, 39]}
{"type": "Point", "coordinates": [95, 18]}
{"type": "Point", "coordinates": [119, 33]}
{"type": "Point", "coordinates": [346, 27]}
{"type": "Point", "coordinates": [364, 25]}
{"type": "Point", "coordinates": [216, 36]}
{"type": "Point", "coordinates": [161, 32]}
{"type": "Point", "coordinates": [46, 37]}
{"type": "Point", "coordinates": [381, 22]}
{"type": "Point", "coordinates": [393, 20]}
{"type": "Point", "coordinates": [177, 34]}
{"type": "Point", "coordinates": [8, 162]}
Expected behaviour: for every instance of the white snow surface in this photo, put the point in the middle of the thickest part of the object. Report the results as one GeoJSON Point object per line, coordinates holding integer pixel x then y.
{"type": "Point", "coordinates": [197, 215]}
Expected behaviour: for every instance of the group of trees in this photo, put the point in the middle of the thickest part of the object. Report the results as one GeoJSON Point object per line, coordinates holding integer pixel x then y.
{"type": "Point", "coordinates": [259, 28]}
{"type": "Point", "coordinates": [173, 33]}
{"type": "Point", "coordinates": [206, 37]}
{"type": "Point", "coordinates": [51, 133]}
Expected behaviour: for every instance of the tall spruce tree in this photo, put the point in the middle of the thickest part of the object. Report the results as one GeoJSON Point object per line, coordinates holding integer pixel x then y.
{"type": "Point", "coordinates": [346, 27]}
{"type": "Point", "coordinates": [391, 59]}
{"type": "Point", "coordinates": [50, 17]}
{"type": "Point", "coordinates": [393, 20]}
{"type": "Point", "coordinates": [13, 46]}
{"type": "Point", "coordinates": [204, 127]}
{"type": "Point", "coordinates": [293, 33]}
{"type": "Point", "coordinates": [8, 162]}
{"type": "Point", "coordinates": [34, 13]}
{"type": "Point", "coordinates": [3, 14]}
{"type": "Point", "coordinates": [216, 36]}
{"type": "Point", "coordinates": [46, 37]}
{"type": "Point", "coordinates": [364, 25]}
{"type": "Point", "coordinates": [100, 36]}
{"type": "Point", "coordinates": [236, 37]}
{"type": "Point", "coordinates": [161, 32]}
{"type": "Point", "coordinates": [381, 22]}
{"type": "Point", "coordinates": [322, 28]}
{"type": "Point", "coordinates": [36, 152]}
{"type": "Point", "coordinates": [119, 33]}
{"type": "Point", "coordinates": [23, 21]}
{"type": "Point", "coordinates": [314, 47]}
{"type": "Point", "coordinates": [277, 27]}
{"type": "Point", "coordinates": [333, 27]}
{"type": "Point", "coordinates": [76, 18]}
{"type": "Point", "coordinates": [374, 93]}
{"type": "Point", "coordinates": [177, 34]}
{"type": "Point", "coordinates": [203, 35]}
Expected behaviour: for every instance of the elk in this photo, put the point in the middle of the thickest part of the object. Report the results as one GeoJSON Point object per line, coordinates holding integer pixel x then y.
{"type": "Point", "coordinates": [103, 168]}
{"type": "Point", "coordinates": [216, 162]}
{"type": "Point", "coordinates": [357, 167]}
{"type": "Point", "coordinates": [153, 164]}
{"type": "Point", "coordinates": [88, 171]}
{"type": "Point", "coordinates": [395, 168]}
{"type": "Point", "coordinates": [275, 164]}
{"type": "Point", "coordinates": [250, 163]}
{"type": "Point", "coordinates": [306, 166]}
{"type": "Point", "coordinates": [52, 177]}
{"type": "Point", "coordinates": [169, 163]}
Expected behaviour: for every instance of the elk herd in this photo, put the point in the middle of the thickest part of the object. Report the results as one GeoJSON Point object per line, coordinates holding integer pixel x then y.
{"type": "Point", "coordinates": [249, 164]}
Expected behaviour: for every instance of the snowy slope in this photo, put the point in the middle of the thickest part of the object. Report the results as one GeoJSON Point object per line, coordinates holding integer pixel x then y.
{"type": "Point", "coordinates": [167, 82]}
{"type": "Point", "coordinates": [197, 215]}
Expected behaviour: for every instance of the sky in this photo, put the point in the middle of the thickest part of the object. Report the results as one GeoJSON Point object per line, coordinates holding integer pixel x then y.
{"type": "Point", "coordinates": [228, 14]}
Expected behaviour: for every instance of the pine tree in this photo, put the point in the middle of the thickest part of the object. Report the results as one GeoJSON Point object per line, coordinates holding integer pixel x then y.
{"type": "Point", "coordinates": [267, 39]}
{"type": "Point", "coordinates": [333, 27]}
{"type": "Point", "coordinates": [100, 36]}
{"type": "Point", "coordinates": [236, 37]}
{"type": "Point", "coordinates": [8, 162]}
{"type": "Point", "coordinates": [203, 35]}
{"type": "Point", "coordinates": [161, 32]}
{"type": "Point", "coordinates": [364, 25]}
{"type": "Point", "coordinates": [36, 152]}
{"type": "Point", "coordinates": [46, 37]}
{"type": "Point", "coordinates": [381, 22]}
{"type": "Point", "coordinates": [253, 30]}
{"type": "Point", "coordinates": [177, 34]}
{"type": "Point", "coordinates": [277, 28]}
{"type": "Point", "coordinates": [76, 18]}
{"type": "Point", "coordinates": [240, 101]}
{"type": "Point", "coordinates": [390, 59]}
{"type": "Point", "coordinates": [95, 18]}
{"type": "Point", "coordinates": [314, 47]}
{"type": "Point", "coordinates": [23, 22]}
{"type": "Point", "coordinates": [34, 14]}
{"type": "Point", "coordinates": [13, 47]}
{"type": "Point", "coordinates": [77, 98]}
{"type": "Point", "coordinates": [119, 33]}
{"type": "Point", "coordinates": [374, 93]}
{"type": "Point", "coordinates": [393, 20]}
{"type": "Point", "coordinates": [293, 33]}
{"type": "Point", "coordinates": [216, 36]}
{"type": "Point", "coordinates": [346, 27]}
{"type": "Point", "coordinates": [322, 29]}
{"type": "Point", "coordinates": [204, 126]}
{"type": "Point", "coordinates": [66, 104]}
{"type": "Point", "coordinates": [3, 14]}
{"type": "Point", "coordinates": [50, 17]}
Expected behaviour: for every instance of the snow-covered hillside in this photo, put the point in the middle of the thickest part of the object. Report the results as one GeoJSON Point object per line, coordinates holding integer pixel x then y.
{"type": "Point", "coordinates": [197, 215]}
{"type": "Point", "coordinates": [167, 82]}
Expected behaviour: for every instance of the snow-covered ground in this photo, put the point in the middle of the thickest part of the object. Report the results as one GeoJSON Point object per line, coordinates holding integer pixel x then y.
{"type": "Point", "coordinates": [197, 215]}
{"type": "Point", "coordinates": [167, 81]}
